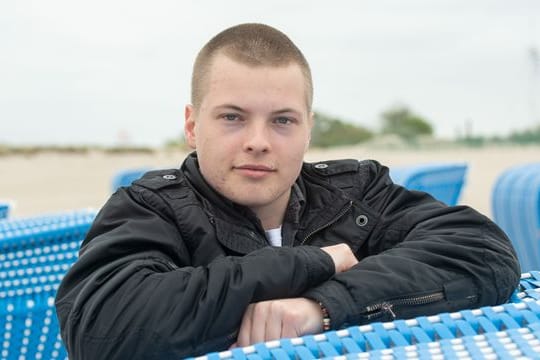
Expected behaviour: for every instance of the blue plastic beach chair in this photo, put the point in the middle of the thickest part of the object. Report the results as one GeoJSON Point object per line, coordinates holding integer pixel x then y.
{"type": "Point", "coordinates": [126, 177]}
{"type": "Point", "coordinates": [509, 331]}
{"type": "Point", "coordinates": [443, 181]}
{"type": "Point", "coordinates": [43, 221]}
{"type": "Point", "coordinates": [33, 261]}
{"type": "Point", "coordinates": [516, 209]}
{"type": "Point", "coordinates": [4, 210]}
{"type": "Point", "coordinates": [30, 327]}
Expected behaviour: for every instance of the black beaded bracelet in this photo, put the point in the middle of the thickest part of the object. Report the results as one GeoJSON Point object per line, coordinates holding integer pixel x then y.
{"type": "Point", "coordinates": [326, 318]}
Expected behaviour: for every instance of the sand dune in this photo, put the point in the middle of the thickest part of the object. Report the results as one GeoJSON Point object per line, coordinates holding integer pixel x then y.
{"type": "Point", "coordinates": [47, 183]}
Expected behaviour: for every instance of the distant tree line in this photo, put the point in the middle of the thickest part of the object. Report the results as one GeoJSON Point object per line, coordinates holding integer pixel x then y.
{"type": "Point", "coordinates": [331, 131]}
{"type": "Point", "coordinates": [529, 136]}
{"type": "Point", "coordinates": [398, 120]}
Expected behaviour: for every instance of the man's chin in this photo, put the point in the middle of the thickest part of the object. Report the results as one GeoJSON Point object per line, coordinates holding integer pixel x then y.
{"type": "Point", "coordinates": [252, 203]}
{"type": "Point", "coordinates": [253, 198]}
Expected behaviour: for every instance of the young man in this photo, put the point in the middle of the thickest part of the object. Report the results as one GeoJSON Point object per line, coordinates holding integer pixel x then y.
{"type": "Point", "coordinates": [246, 243]}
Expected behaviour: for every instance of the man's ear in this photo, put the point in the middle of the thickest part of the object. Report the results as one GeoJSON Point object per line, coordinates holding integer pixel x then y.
{"type": "Point", "coordinates": [190, 126]}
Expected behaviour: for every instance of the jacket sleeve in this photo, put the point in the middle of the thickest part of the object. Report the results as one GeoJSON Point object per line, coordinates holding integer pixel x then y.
{"type": "Point", "coordinates": [133, 293]}
{"type": "Point", "coordinates": [423, 258]}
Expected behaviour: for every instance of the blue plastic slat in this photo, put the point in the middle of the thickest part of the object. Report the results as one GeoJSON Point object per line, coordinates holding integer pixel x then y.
{"type": "Point", "coordinates": [404, 330]}
{"type": "Point", "coordinates": [374, 341]}
{"type": "Point", "coordinates": [303, 353]}
{"type": "Point", "coordinates": [263, 351]}
{"type": "Point", "coordinates": [288, 347]}
{"type": "Point", "coordinates": [350, 346]}
{"type": "Point", "coordinates": [427, 327]}
{"type": "Point", "coordinates": [358, 337]}
{"type": "Point", "coordinates": [381, 333]}
{"type": "Point", "coordinates": [312, 345]}
{"type": "Point", "coordinates": [238, 354]}
{"type": "Point", "coordinates": [279, 354]}
{"type": "Point", "coordinates": [327, 349]}
{"type": "Point", "coordinates": [335, 340]}
{"type": "Point", "coordinates": [420, 336]}
{"type": "Point", "coordinates": [486, 326]}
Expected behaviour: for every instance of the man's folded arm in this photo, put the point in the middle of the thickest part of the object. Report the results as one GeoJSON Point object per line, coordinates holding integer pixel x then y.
{"type": "Point", "coordinates": [133, 291]}
{"type": "Point", "coordinates": [423, 258]}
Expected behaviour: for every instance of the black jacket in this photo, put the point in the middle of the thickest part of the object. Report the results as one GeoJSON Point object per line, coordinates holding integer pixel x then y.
{"type": "Point", "coordinates": [169, 265]}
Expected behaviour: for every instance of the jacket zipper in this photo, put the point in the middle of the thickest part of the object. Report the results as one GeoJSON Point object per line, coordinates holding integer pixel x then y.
{"type": "Point", "coordinates": [329, 223]}
{"type": "Point", "coordinates": [387, 307]}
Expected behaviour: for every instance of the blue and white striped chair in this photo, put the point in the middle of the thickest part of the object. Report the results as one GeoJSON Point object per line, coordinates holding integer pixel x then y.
{"type": "Point", "coordinates": [516, 209]}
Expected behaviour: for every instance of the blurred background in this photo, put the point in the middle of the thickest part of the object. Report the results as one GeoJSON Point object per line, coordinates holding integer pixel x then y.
{"type": "Point", "coordinates": [90, 88]}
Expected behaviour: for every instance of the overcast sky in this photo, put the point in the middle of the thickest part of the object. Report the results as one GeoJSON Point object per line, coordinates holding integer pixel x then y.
{"type": "Point", "coordinates": [96, 72]}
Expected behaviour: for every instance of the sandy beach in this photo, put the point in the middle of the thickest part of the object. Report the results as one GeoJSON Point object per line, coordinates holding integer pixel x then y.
{"type": "Point", "coordinates": [51, 182]}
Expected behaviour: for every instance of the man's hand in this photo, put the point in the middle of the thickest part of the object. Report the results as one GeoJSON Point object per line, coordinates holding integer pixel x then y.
{"type": "Point", "coordinates": [342, 255]}
{"type": "Point", "coordinates": [275, 319]}
{"type": "Point", "coordinates": [286, 318]}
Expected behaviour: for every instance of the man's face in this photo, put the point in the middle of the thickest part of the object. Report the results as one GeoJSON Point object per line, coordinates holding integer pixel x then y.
{"type": "Point", "coordinates": [251, 132]}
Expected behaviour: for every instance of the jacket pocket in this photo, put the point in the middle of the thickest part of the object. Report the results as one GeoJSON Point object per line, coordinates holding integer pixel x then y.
{"type": "Point", "coordinates": [456, 295]}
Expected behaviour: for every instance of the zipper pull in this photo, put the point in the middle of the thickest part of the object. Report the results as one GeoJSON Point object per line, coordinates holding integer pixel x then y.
{"type": "Point", "coordinates": [387, 308]}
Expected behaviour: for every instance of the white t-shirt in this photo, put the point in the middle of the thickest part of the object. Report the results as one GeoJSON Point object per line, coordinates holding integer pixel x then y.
{"type": "Point", "coordinates": [274, 236]}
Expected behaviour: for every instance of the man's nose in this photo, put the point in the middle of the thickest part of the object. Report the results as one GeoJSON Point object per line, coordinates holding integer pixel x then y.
{"type": "Point", "coordinates": [257, 138]}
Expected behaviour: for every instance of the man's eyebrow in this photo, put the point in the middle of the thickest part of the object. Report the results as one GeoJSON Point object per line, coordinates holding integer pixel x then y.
{"type": "Point", "coordinates": [286, 110]}
{"type": "Point", "coordinates": [239, 109]}
{"type": "Point", "coordinates": [230, 107]}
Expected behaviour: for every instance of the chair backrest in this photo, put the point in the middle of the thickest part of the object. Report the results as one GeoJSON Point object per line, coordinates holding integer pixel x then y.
{"type": "Point", "coordinates": [30, 327]}
{"type": "Point", "coordinates": [126, 177]}
{"type": "Point", "coordinates": [33, 262]}
{"type": "Point", "coordinates": [4, 209]}
{"type": "Point", "coordinates": [516, 209]}
{"type": "Point", "coordinates": [46, 220]}
{"type": "Point", "coordinates": [444, 181]}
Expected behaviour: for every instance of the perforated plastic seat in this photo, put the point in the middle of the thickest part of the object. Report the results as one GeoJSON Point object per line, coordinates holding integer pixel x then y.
{"type": "Point", "coordinates": [443, 181]}
{"type": "Point", "coordinates": [510, 331]}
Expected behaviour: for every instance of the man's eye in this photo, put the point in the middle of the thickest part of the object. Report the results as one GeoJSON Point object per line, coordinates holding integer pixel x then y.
{"type": "Point", "coordinates": [282, 120]}
{"type": "Point", "coordinates": [230, 117]}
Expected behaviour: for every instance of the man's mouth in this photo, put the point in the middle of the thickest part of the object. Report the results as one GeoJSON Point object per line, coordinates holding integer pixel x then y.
{"type": "Point", "coordinates": [255, 171]}
{"type": "Point", "coordinates": [255, 167]}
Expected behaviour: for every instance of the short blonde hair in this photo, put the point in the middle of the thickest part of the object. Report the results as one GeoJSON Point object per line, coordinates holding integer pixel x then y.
{"type": "Point", "coordinates": [253, 45]}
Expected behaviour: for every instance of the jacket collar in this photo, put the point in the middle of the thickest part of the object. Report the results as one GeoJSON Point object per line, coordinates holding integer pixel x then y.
{"type": "Point", "coordinates": [239, 229]}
